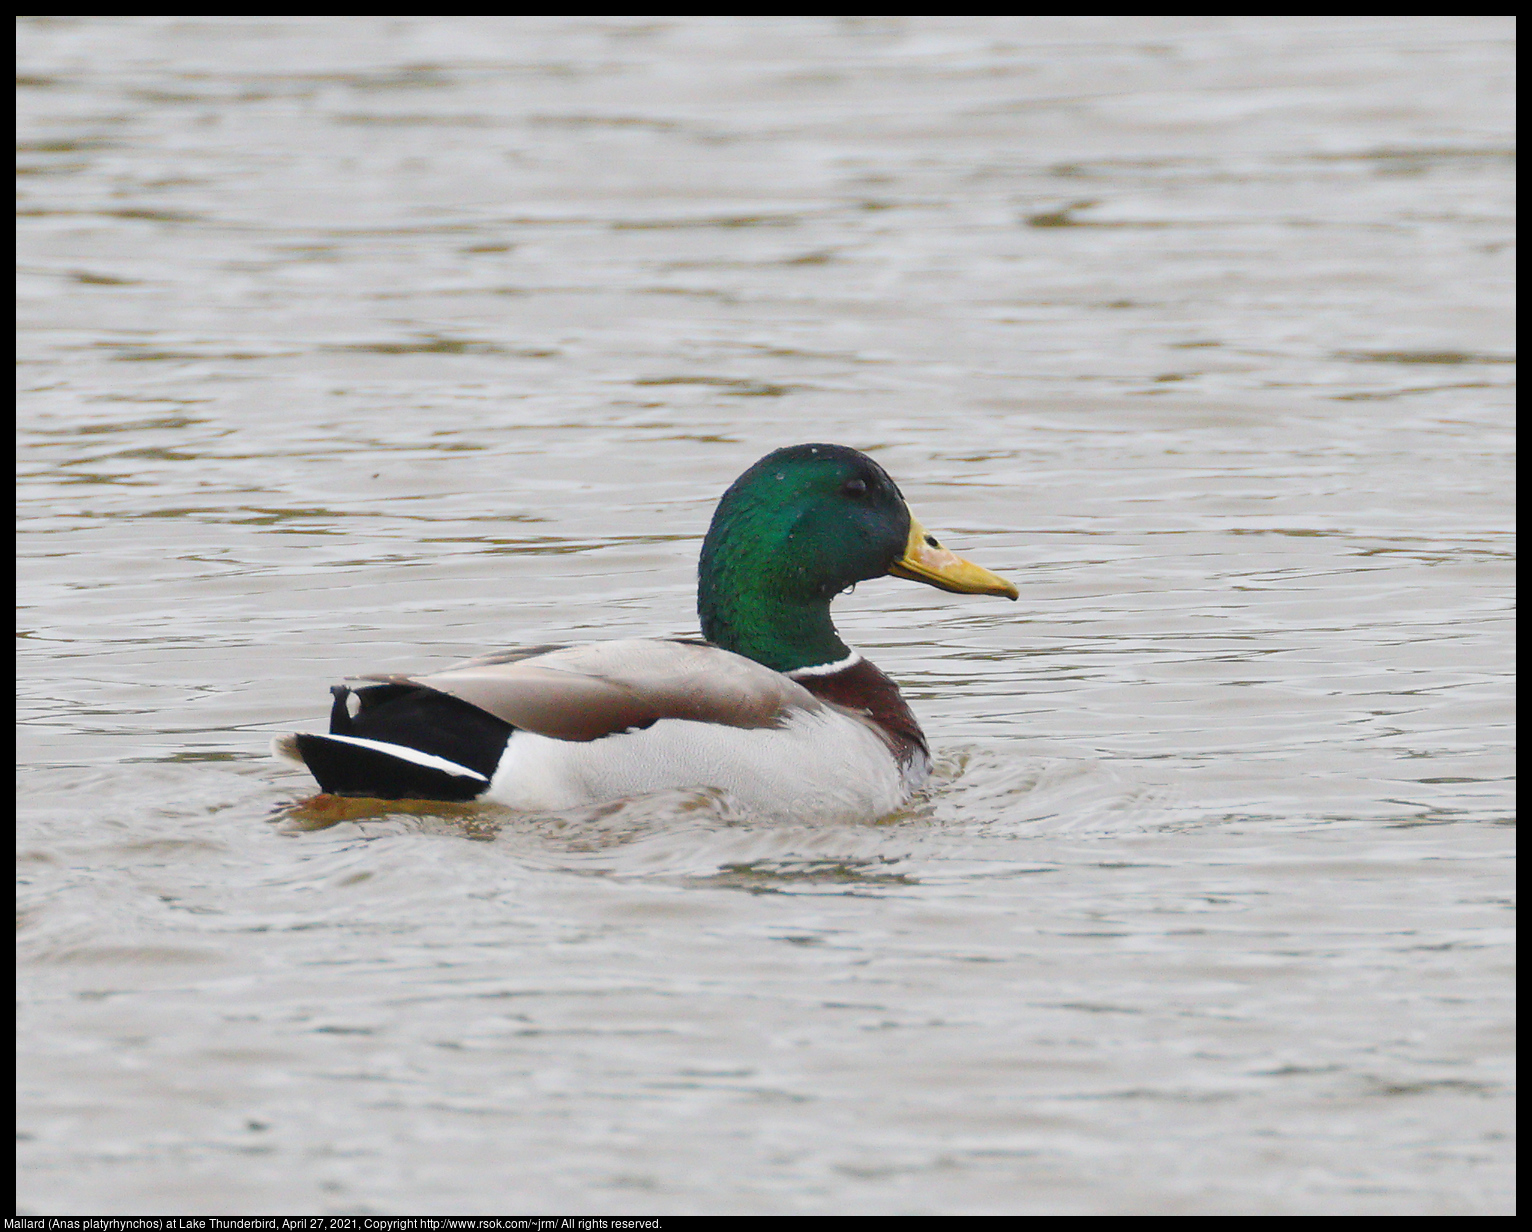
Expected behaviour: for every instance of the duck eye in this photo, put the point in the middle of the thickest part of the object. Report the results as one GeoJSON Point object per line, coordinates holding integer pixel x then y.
{"type": "Point", "coordinates": [854, 487]}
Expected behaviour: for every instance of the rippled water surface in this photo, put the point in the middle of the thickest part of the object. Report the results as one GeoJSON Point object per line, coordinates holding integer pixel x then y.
{"type": "Point", "coordinates": [368, 343]}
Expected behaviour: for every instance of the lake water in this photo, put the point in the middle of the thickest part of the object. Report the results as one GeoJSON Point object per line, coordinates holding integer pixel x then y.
{"type": "Point", "coordinates": [367, 343]}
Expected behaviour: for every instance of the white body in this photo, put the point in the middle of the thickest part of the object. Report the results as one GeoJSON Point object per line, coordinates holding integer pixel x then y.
{"type": "Point", "coordinates": [824, 766]}
{"type": "Point", "coordinates": [749, 731]}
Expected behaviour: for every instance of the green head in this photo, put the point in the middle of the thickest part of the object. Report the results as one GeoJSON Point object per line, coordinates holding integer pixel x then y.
{"type": "Point", "coordinates": [796, 529]}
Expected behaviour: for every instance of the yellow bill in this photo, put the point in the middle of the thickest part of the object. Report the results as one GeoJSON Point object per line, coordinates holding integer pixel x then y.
{"type": "Point", "coordinates": [925, 560]}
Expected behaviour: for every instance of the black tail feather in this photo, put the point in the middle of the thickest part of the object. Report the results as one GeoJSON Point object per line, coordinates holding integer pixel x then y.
{"type": "Point", "coordinates": [417, 718]}
{"type": "Point", "coordinates": [353, 770]}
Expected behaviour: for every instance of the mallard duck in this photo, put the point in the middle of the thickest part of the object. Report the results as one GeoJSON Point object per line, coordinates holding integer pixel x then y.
{"type": "Point", "coordinates": [771, 706]}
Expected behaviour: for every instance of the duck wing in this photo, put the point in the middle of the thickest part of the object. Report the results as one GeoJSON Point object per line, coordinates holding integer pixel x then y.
{"type": "Point", "coordinates": [598, 689]}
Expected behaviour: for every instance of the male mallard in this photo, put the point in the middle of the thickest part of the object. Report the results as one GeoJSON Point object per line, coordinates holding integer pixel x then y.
{"type": "Point", "coordinates": [773, 707]}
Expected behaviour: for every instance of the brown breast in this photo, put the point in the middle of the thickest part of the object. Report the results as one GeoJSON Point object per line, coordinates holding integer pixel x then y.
{"type": "Point", "coordinates": [866, 690]}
